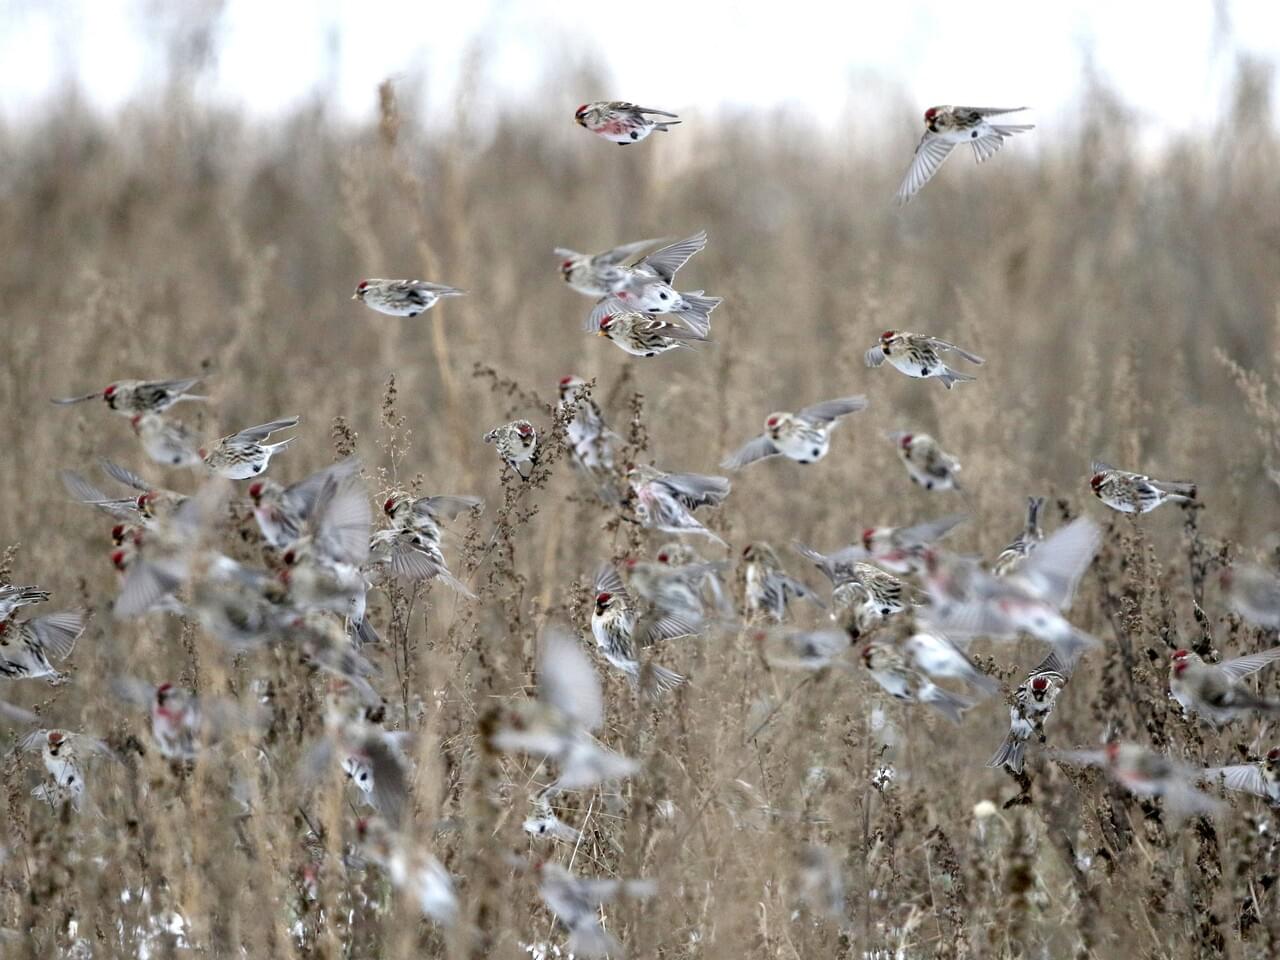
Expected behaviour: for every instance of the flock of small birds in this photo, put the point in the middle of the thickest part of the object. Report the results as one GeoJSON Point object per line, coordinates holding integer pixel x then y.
{"type": "Point", "coordinates": [897, 599]}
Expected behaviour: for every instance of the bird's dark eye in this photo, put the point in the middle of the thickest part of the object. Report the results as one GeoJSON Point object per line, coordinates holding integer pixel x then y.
{"type": "Point", "coordinates": [662, 296]}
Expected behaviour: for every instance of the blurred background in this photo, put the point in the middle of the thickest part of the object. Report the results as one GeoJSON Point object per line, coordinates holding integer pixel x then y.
{"type": "Point", "coordinates": [196, 188]}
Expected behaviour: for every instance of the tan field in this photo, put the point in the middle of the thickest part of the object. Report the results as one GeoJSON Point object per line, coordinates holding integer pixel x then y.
{"type": "Point", "coordinates": [1127, 303]}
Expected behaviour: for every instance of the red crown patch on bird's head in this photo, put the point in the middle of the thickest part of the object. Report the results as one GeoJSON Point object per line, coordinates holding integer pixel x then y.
{"type": "Point", "coordinates": [1273, 754]}
{"type": "Point", "coordinates": [606, 322]}
{"type": "Point", "coordinates": [888, 335]}
{"type": "Point", "coordinates": [905, 440]}
{"type": "Point", "coordinates": [55, 736]}
{"type": "Point", "coordinates": [581, 110]}
{"type": "Point", "coordinates": [930, 114]}
{"type": "Point", "coordinates": [772, 421]}
{"type": "Point", "coordinates": [867, 536]}
{"type": "Point", "coordinates": [110, 392]}
{"type": "Point", "coordinates": [565, 381]}
{"type": "Point", "coordinates": [1096, 480]}
{"type": "Point", "coordinates": [255, 491]}
{"type": "Point", "coordinates": [1040, 684]}
{"type": "Point", "coordinates": [1181, 655]}
{"type": "Point", "coordinates": [524, 429]}
{"type": "Point", "coordinates": [389, 505]}
{"type": "Point", "coordinates": [603, 598]}
{"type": "Point", "coordinates": [663, 558]}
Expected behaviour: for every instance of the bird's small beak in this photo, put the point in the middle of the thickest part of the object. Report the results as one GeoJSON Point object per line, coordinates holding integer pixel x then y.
{"type": "Point", "coordinates": [579, 121]}
{"type": "Point", "coordinates": [600, 333]}
{"type": "Point", "coordinates": [355, 296]}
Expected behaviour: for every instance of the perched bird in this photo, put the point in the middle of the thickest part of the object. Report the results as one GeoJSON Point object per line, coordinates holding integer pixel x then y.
{"type": "Point", "coordinates": [600, 274]}
{"type": "Point", "coordinates": [591, 442]}
{"type": "Point", "coordinates": [14, 598]}
{"type": "Point", "coordinates": [666, 501]}
{"type": "Point", "coordinates": [1262, 779]}
{"type": "Point", "coordinates": [640, 334]}
{"type": "Point", "coordinates": [928, 465]}
{"type": "Point", "coordinates": [167, 442]}
{"type": "Point", "coordinates": [1254, 593]}
{"type": "Point", "coordinates": [26, 646]}
{"type": "Point", "coordinates": [131, 397]}
{"type": "Point", "coordinates": [768, 588]}
{"type": "Point", "coordinates": [1026, 541]}
{"type": "Point", "coordinates": [1134, 492]}
{"type": "Point", "coordinates": [411, 545]}
{"type": "Point", "coordinates": [804, 436]}
{"type": "Point", "coordinates": [1032, 703]}
{"type": "Point", "coordinates": [282, 512]}
{"type": "Point", "coordinates": [1216, 691]}
{"type": "Point", "coordinates": [65, 757]}
{"type": "Point", "coordinates": [1147, 774]}
{"type": "Point", "coordinates": [622, 122]}
{"type": "Point", "coordinates": [516, 443]}
{"type": "Point", "coordinates": [945, 127]}
{"type": "Point", "coordinates": [577, 902]}
{"type": "Point", "coordinates": [622, 634]}
{"type": "Point", "coordinates": [558, 724]}
{"type": "Point", "coordinates": [402, 298]}
{"type": "Point", "coordinates": [920, 357]}
{"type": "Point", "coordinates": [891, 668]}
{"type": "Point", "coordinates": [242, 455]}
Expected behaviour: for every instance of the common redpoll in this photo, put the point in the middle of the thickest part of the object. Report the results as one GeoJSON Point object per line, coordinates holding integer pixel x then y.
{"type": "Point", "coordinates": [414, 555]}
{"type": "Point", "coordinates": [641, 334]}
{"type": "Point", "coordinates": [792, 648]}
{"type": "Point", "coordinates": [896, 549]}
{"type": "Point", "coordinates": [242, 455]}
{"type": "Point", "coordinates": [928, 465]}
{"type": "Point", "coordinates": [1026, 541]}
{"type": "Point", "coordinates": [577, 902]}
{"type": "Point", "coordinates": [1262, 779]}
{"type": "Point", "coordinates": [545, 823]}
{"type": "Point", "coordinates": [324, 643]}
{"type": "Point", "coordinates": [130, 397]}
{"type": "Point", "coordinates": [804, 437]}
{"type": "Point", "coordinates": [591, 442]}
{"type": "Point", "coordinates": [1033, 701]}
{"type": "Point", "coordinates": [165, 441]}
{"type": "Point", "coordinates": [1148, 774]}
{"type": "Point", "coordinates": [1215, 691]}
{"type": "Point", "coordinates": [1254, 593]}
{"type": "Point", "coordinates": [517, 443]}
{"type": "Point", "coordinates": [666, 501]}
{"type": "Point", "coordinates": [939, 657]}
{"type": "Point", "coordinates": [919, 356]}
{"type": "Point", "coordinates": [891, 669]}
{"type": "Point", "coordinates": [13, 598]}
{"type": "Point", "coordinates": [558, 724]}
{"type": "Point", "coordinates": [282, 512]}
{"type": "Point", "coordinates": [968, 602]}
{"type": "Point", "coordinates": [621, 634]}
{"type": "Point", "coordinates": [425, 514]}
{"type": "Point", "coordinates": [676, 589]}
{"type": "Point", "coordinates": [177, 722]}
{"type": "Point", "coordinates": [622, 122]}
{"type": "Point", "coordinates": [948, 126]}
{"type": "Point", "coordinates": [145, 506]}
{"type": "Point", "coordinates": [402, 298]}
{"type": "Point", "coordinates": [65, 757]}
{"type": "Point", "coordinates": [601, 274]}
{"type": "Point", "coordinates": [768, 588]}
{"type": "Point", "coordinates": [416, 873]}
{"type": "Point", "coordinates": [1133, 492]}
{"type": "Point", "coordinates": [26, 646]}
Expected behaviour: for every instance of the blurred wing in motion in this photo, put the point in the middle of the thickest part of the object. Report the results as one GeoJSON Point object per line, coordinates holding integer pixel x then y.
{"type": "Point", "coordinates": [758, 449]}
{"type": "Point", "coordinates": [567, 680]}
{"type": "Point", "coordinates": [930, 153]}
{"type": "Point", "coordinates": [668, 261]}
{"type": "Point", "coordinates": [834, 409]}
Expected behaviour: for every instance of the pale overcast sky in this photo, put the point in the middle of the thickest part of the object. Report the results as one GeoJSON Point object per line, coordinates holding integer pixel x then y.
{"type": "Point", "coordinates": [1170, 60]}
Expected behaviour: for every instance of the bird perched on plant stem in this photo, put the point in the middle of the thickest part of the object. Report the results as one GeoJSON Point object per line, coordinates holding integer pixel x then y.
{"type": "Point", "coordinates": [516, 443]}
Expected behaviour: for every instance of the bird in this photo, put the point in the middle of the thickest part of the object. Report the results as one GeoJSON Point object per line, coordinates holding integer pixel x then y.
{"type": "Point", "coordinates": [1215, 691]}
{"type": "Point", "coordinates": [177, 721]}
{"type": "Point", "coordinates": [920, 357]}
{"type": "Point", "coordinates": [768, 588]}
{"type": "Point", "coordinates": [894, 672]}
{"type": "Point", "coordinates": [1027, 540]}
{"type": "Point", "coordinates": [16, 597]}
{"type": "Point", "coordinates": [641, 334]}
{"type": "Point", "coordinates": [577, 903]}
{"type": "Point", "coordinates": [65, 755]}
{"type": "Point", "coordinates": [1253, 592]}
{"type": "Point", "coordinates": [804, 436]}
{"type": "Point", "coordinates": [896, 549]}
{"type": "Point", "coordinates": [282, 512]}
{"type": "Point", "coordinates": [402, 298]}
{"type": "Point", "coordinates": [1146, 773]}
{"type": "Point", "coordinates": [1032, 703]}
{"type": "Point", "coordinates": [591, 442]}
{"type": "Point", "coordinates": [242, 455]}
{"type": "Point", "coordinates": [131, 397]}
{"type": "Point", "coordinates": [622, 122]}
{"type": "Point", "coordinates": [600, 274]}
{"type": "Point", "coordinates": [868, 596]}
{"type": "Point", "coordinates": [1262, 779]}
{"type": "Point", "coordinates": [948, 126]}
{"type": "Point", "coordinates": [939, 657]}
{"type": "Point", "coordinates": [622, 634]}
{"type": "Point", "coordinates": [928, 465]}
{"type": "Point", "coordinates": [799, 648]}
{"type": "Point", "coordinates": [666, 501]}
{"type": "Point", "coordinates": [27, 646]}
{"type": "Point", "coordinates": [516, 443]}
{"type": "Point", "coordinates": [1136, 492]}
{"type": "Point", "coordinates": [413, 871]}
{"type": "Point", "coordinates": [559, 722]}
{"type": "Point", "coordinates": [166, 441]}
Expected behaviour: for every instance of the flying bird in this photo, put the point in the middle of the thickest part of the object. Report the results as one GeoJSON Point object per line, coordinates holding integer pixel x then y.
{"type": "Point", "coordinates": [947, 127]}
